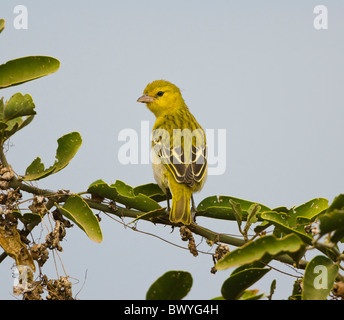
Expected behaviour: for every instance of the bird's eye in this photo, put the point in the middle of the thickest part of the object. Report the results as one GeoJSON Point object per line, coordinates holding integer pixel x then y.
{"type": "Point", "coordinates": [160, 93]}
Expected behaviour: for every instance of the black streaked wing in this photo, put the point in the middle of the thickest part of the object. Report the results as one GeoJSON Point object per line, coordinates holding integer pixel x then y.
{"type": "Point", "coordinates": [187, 173]}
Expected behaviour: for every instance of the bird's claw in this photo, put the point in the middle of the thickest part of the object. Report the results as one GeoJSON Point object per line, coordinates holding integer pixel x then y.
{"type": "Point", "coordinates": [193, 214]}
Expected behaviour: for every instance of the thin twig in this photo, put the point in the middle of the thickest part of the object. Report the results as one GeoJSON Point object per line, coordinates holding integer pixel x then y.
{"type": "Point", "coordinates": [134, 228]}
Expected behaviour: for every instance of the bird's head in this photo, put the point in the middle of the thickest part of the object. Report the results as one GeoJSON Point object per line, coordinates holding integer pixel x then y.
{"type": "Point", "coordinates": [162, 97]}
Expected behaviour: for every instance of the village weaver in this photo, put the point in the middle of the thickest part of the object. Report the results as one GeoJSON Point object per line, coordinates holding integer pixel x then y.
{"type": "Point", "coordinates": [178, 149]}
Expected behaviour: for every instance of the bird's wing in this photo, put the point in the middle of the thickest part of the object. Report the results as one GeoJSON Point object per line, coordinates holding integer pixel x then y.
{"type": "Point", "coordinates": [186, 168]}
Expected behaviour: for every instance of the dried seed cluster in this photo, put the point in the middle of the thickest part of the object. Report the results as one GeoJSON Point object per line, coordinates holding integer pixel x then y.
{"type": "Point", "coordinates": [220, 252]}
{"type": "Point", "coordinates": [6, 175]}
{"type": "Point", "coordinates": [58, 289]}
{"type": "Point", "coordinates": [186, 235]}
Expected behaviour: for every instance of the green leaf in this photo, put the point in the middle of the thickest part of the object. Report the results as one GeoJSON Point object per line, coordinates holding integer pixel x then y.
{"type": "Point", "coordinates": [238, 282]}
{"type": "Point", "coordinates": [14, 125]}
{"type": "Point", "coordinates": [68, 145]}
{"type": "Point", "coordinates": [151, 190]}
{"type": "Point", "coordinates": [77, 210]}
{"type": "Point", "coordinates": [261, 227]}
{"type": "Point", "coordinates": [28, 218]}
{"type": "Point", "coordinates": [252, 216]}
{"type": "Point", "coordinates": [297, 290]}
{"type": "Point", "coordinates": [3, 125]}
{"type": "Point", "coordinates": [36, 170]}
{"type": "Point", "coordinates": [220, 207]}
{"type": "Point", "coordinates": [311, 209]}
{"type": "Point", "coordinates": [297, 256]}
{"type": "Point", "coordinates": [338, 203]}
{"type": "Point", "coordinates": [296, 219]}
{"type": "Point", "coordinates": [272, 288]}
{"type": "Point", "coordinates": [18, 106]}
{"type": "Point", "coordinates": [253, 251]}
{"type": "Point", "coordinates": [12, 112]}
{"type": "Point", "coordinates": [25, 69]}
{"type": "Point", "coordinates": [2, 25]}
{"type": "Point", "coordinates": [237, 211]}
{"type": "Point", "coordinates": [173, 285]}
{"type": "Point", "coordinates": [320, 274]}
{"type": "Point", "coordinates": [282, 209]}
{"type": "Point", "coordinates": [281, 220]}
{"type": "Point", "coordinates": [124, 194]}
{"type": "Point", "coordinates": [338, 236]}
{"type": "Point", "coordinates": [331, 221]}
{"type": "Point", "coordinates": [258, 264]}
{"type": "Point", "coordinates": [2, 106]}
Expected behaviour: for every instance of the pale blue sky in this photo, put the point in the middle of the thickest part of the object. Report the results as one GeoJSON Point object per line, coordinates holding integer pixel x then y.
{"type": "Point", "coordinates": [257, 69]}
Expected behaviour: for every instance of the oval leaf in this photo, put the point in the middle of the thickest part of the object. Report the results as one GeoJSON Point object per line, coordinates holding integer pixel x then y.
{"type": "Point", "coordinates": [338, 203]}
{"type": "Point", "coordinates": [283, 222]}
{"type": "Point", "coordinates": [28, 218]}
{"type": "Point", "coordinates": [124, 194]}
{"type": "Point", "coordinates": [237, 283]}
{"type": "Point", "coordinates": [320, 274]}
{"type": "Point", "coordinates": [296, 219]}
{"type": "Point", "coordinates": [173, 285]}
{"type": "Point", "coordinates": [25, 69]}
{"type": "Point", "coordinates": [253, 251]}
{"type": "Point", "coordinates": [311, 209]}
{"type": "Point", "coordinates": [68, 145]}
{"type": "Point", "coordinates": [151, 190]}
{"type": "Point", "coordinates": [221, 208]}
{"type": "Point", "coordinates": [36, 170]}
{"type": "Point", "coordinates": [331, 221]}
{"type": "Point", "coordinates": [2, 25]}
{"type": "Point", "coordinates": [77, 210]}
{"type": "Point", "coordinates": [18, 106]}
{"type": "Point", "coordinates": [16, 124]}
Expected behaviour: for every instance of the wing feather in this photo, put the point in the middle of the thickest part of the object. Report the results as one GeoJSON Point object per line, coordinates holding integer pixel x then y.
{"type": "Point", "coordinates": [187, 170]}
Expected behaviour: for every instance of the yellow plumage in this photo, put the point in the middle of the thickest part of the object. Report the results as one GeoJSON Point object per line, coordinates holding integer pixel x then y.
{"type": "Point", "coordinates": [178, 148]}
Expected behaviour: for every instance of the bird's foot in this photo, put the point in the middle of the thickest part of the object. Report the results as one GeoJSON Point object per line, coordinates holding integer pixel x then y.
{"type": "Point", "coordinates": [168, 210]}
{"type": "Point", "coordinates": [193, 214]}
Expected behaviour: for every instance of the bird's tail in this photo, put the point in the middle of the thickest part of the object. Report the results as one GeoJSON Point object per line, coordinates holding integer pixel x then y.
{"type": "Point", "coordinates": [180, 209]}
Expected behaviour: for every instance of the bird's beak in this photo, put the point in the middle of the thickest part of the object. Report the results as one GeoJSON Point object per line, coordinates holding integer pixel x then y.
{"type": "Point", "coordinates": [145, 99]}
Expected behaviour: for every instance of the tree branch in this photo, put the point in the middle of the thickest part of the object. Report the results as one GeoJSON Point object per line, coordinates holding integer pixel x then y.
{"type": "Point", "coordinates": [57, 197]}
{"type": "Point", "coordinates": [195, 228]}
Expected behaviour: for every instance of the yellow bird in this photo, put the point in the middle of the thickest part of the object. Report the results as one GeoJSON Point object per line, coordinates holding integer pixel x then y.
{"type": "Point", "coordinates": [178, 148]}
